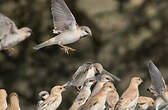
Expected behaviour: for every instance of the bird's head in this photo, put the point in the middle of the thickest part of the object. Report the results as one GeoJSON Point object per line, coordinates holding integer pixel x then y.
{"type": "Point", "coordinates": [14, 98]}
{"type": "Point", "coordinates": [3, 93]}
{"type": "Point", "coordinates": [90, 81]}
{"type": "Point", "coordinates": [108, 87]}
{"type": "Point", "coordinates": [43, 95]}
{"type": "Point", "coordinates": [99, 67]}
{"type": "Point", "coordinates": [25, 31]}
{"type": "Point", "coordinates": [57, 89]}
{"type": "Point", "coordinates": [106, 78]}
{"type": "Point", "coordinates": [85, 31]}
{"type": "Point", "coordinates": [136, 80]}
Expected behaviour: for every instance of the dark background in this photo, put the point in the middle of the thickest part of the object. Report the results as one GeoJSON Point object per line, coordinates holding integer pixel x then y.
{"type": "Point", "coordinates": [126, 33]}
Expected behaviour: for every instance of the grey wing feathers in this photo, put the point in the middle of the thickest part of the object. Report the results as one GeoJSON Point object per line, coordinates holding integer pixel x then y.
{"type": "Point", "coordinates": [82, 69]}
{"type": "Point", "coordinates": [7, 26]}
{"type": "Point", "coordinates": [115, 78]}
{"type": "Point", "coordinates": [62, 16]}
{"type": "Point", "coordinates": [156, 78]}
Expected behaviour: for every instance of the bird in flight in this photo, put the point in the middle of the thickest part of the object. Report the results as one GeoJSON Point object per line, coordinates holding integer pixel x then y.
{"type": "Point", "coordinates": [10, 35]}
{"type": "Point", "coordinates": [65, 27]}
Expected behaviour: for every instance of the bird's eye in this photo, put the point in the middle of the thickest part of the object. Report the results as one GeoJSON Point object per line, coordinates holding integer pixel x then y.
{"type": "Point", "coordinates": [91, 81]}
{"type": "Point", "coordinates": [110, 86]}
{"type": "Point", "coordinates": [108, 78]}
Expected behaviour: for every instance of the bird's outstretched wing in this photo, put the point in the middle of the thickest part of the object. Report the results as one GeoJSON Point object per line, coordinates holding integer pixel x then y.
{"type": "Point", "coordinates": [62, 16]}
{"type": "Point", "coordinates": [7, 26]}
{"type": "Point", "coordinates": [156, 78]}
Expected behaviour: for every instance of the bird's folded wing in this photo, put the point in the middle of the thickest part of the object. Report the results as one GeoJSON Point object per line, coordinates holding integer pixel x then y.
{"type": "Point", "coordinates": [48, 102]}
{"type": "Point", "coordinates": [62, 16]}
{"type": "Point", "coordinates": [7, 26]}
{"type": "Point", "coordinates": [156, 78]}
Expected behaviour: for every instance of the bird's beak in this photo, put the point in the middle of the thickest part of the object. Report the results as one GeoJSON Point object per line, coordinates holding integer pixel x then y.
{"type": "Point", "coordinates": [90, 33]}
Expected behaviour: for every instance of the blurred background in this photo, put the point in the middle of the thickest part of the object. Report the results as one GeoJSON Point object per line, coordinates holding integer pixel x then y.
{"type": "Point", "coordinates": [126, 34]}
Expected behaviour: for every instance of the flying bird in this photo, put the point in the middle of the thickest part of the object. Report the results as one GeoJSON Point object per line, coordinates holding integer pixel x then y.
{"type": "Point", "coordinates": [10, 35]}
{"type": "Point", "coordinates": [145, 103]}
{"type": "Point", "coordinates": [129, 98]}
{"type": "Point", "coordinates": [88, 70]}
{"type": "Point", "coordinates": [53, 100]}
{"type": "Point", "coordinates": [3, 102]}
{"type": "Point", "coordinates": [83, 94]}
{"type": "Point", "coordinates": [97, 102]}
{"type": "Point", "coordinates": [158, 85]}
{"type": "Point", "coordinates": [65, 27]}
{"type": "Point", "coordinates": [14, 102]}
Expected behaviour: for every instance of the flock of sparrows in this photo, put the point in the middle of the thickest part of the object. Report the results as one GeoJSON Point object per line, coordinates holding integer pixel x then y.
{"type": "Point", "coordinates": [96, 91]}
{"type": "Point", "coordinates": [95, 85]}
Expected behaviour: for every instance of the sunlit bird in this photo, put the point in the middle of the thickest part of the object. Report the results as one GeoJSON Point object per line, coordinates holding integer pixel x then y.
{"type": "Point", "coordinates": [97, 102]}
{"type": "Point", "coordinates": [43, 95]}
{"type": "Point", "coordinates": [14, 102]}
{"type": "Point", "coordinates": [3, 103]}
{"type": "Point", "coordinates": [53, 100]}
{"type": "Point", "coordinates": [83, 94]}
{"type": "Point", "coordinates": [10, 35]}
{"type": "Point", "coordinates": [129, 98]}
{"type": "Point", "coordinates": [145, 103]}
{"type": "Point", "coordinates": [65, 26]}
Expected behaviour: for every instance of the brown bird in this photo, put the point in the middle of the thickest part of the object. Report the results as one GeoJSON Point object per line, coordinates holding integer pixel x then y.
{"type": "Point", "coordinates": [3, 102]}
{"type": "Point", "coordinates": [14, 102]}
{"type": "Point", "coordinates": [145, 103]}
{"type": "Point", "coordinates": [53, 100]}
{"type": "Point", "coordinates": [129, 98]}
{"type": "Point", "coordinates": [112, 99]}
{"type": "Point", "coordinates": [97, 102]}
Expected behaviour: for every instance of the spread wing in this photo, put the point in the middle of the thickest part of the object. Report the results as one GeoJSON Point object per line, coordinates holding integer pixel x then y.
{"type": "Point", "coordinates": [156, 78]}
{"type": "Point", "coordinates": [62, 16]}
{"type": "Point", "coordinates": [7, 26]}
{"type": "Point", "coordinates": [82, 69]}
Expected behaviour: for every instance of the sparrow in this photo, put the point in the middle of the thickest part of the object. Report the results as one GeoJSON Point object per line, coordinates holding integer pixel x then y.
{"type": "Point", "coordinates": [14, 102]}
{"type": "Point", "coordinates": [145, 103]}
{"type": "Point", "coordinates": [43, 95]}
{"type": "Point", "coordinates": [129, 98]}
{"type": "Point", "coordinates": [65, 27]}
{"type": "Point", "coordinates": [3, 102]}
{"type": "Point", "coordinates": [97, 102]}
{"type": "Point", "coordinates": [112, 99]}
{"type": "Point", "coordinates": [88, 70]}
{"type": "Point", "coordinates": [158, 87]}
{"type": "Point", "coordinates": [53, 100]}
{"type": "Point", "coordinates": [83, 94]}
{"type": "Point", "coordinates": [102, 79]}
{"type": "Point", "coordinates": [10, 35]}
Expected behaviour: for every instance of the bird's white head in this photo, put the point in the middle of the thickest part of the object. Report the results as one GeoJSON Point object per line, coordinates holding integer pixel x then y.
{"type": "Point", "coordinates": [105, 78]}
{"type": "Point", "coordinates": [25, 31]}
{"type": "Point", "coordinates": [85, 31]}
{"type": "Point", "coordinates": [14, 99]}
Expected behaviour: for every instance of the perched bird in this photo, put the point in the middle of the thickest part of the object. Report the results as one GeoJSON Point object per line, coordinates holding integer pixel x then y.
{"type": "Point", "coordinates": [83, 94]}
{"type": "Point", "coordinates": [85, 71]}
{"type": "Point", "coordinates": [53, 100]}
{"type": "Point", "coordinates": [145, 103]}
{"type": "Point", "coordinates": [3, 102]}
{"type": "Point", "coordinates": [129, 98]}
{"type": "Point", "coordinates": [10, 35]}
{"type": "Point", "coordinates": [158, 87]}
{"type": "Point", "coordinates": [102, 79]}
{"type": "Point", "coordinates": [97, 102]}
{"type": "Point", "coordinates": [14, 102]}
{"type": "Point", "coordinates": [112, 99]}
{"type": "Point", "coordinates": [65, 26]}
{"type": "Point", "coordinates": [43, 95]}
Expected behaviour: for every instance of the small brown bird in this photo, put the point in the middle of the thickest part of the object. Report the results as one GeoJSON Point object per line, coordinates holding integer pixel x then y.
{"type": "Point", "coordinates": [53, 100]}
{"type": "Point", "coordinates": [112, 99]}
{"type": "Point", "coordinates": [3, 103]}
{"type": "Point", "coordinates": [129, 98]}
{"type": "Point", "coordinates": [14, 102]}
{"type": "Point", "coordinates": [97, 102]}
{"type": "Point", "coordinates": [83, 94]}
{"type": "Point", "coordinates": [145, 103]}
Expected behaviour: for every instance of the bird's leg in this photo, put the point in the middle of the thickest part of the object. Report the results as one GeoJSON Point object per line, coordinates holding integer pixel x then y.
{"type": "Point", "coordinates": [66, 48]}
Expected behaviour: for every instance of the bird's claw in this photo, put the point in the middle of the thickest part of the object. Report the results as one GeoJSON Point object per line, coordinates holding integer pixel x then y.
{"type": "Point", "coordinates": [67, 49]}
